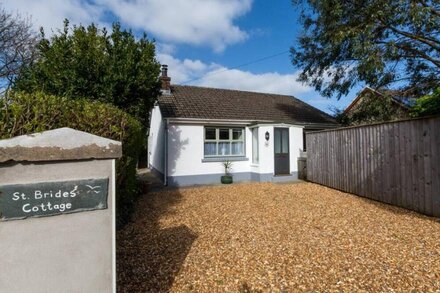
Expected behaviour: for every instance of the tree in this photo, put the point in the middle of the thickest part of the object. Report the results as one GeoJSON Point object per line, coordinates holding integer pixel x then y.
{"type": "Point", "coordinates": [17, 46]}
{"type": "Point", "coordinates": [380, 43]}
{"type": "Point", "coordinates": [372, 106]}
{"type": "Point", "coordinates": [372, 109]}
{"type": "Point", "coordinates": [427, 105]}
{"type": "Point", "coordinates": [87, 62]}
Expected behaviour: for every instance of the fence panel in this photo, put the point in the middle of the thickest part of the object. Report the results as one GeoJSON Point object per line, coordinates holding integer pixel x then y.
{"type": "Point", "coordinates": [394, 162]}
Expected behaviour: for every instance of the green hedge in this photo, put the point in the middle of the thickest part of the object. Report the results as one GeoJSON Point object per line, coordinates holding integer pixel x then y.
{"type": "Point", "coordinates": [22, 113]}
{"type": "Point", "coordinates": [427, 105]}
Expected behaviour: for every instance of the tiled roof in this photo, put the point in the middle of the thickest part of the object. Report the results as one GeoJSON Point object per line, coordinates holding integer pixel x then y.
{"type": "Point", "coordinates": [213, 103]}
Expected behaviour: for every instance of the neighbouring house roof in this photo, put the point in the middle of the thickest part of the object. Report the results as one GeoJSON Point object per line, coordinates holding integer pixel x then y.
{"type": "Point", "coordinates": [213, 103]}
{"type": "Point", "coordinates": [396, 100]}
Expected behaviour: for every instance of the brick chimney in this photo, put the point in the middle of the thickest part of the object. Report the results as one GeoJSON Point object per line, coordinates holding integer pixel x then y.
{"type": "Point", "coordinates": [166, 80]}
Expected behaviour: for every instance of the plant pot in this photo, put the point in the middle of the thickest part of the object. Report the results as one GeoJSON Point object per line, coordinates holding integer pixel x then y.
{"type": "Point", "coordinates": [226, 179]}
{"type": "Point", "coordinates": [146, 187]}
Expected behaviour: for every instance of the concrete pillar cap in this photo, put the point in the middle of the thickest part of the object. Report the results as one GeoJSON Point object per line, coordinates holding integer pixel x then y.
{"type": "Point", "coordinates": [59, 145]}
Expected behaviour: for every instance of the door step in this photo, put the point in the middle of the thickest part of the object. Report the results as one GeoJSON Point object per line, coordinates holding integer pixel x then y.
{"type": "Point", "coordinates": [285, 178]}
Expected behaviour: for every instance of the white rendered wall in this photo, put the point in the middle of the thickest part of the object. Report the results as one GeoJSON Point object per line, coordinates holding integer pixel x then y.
{"type": "Point", "coordinates": [156, 140]}
{"type": "Point", "coordinates": [255, 167]}
{"type": "Point", "coordinates": [296, 144]}
{"type": "Point", "coordinates": [186, 151]}
{"type": "Point", "coordinates": [266, 162]}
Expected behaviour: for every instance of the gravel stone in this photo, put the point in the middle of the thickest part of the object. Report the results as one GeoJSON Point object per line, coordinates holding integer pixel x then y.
{"type": "Point", "coordinates": [260, 237]}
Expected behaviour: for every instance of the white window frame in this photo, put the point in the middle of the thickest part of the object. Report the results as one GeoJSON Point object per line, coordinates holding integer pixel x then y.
{"type": "Point", "coordinates": [217, 140]}
{"type": "Point", "coordinates": [255, 146]}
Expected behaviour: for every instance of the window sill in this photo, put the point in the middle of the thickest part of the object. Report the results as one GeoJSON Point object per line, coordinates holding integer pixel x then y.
{"type": "Point", "coordinates": [224, 159]}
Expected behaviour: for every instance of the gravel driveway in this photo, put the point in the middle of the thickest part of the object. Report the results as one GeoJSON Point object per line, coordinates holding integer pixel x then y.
{"type": "Point", "coordinates": [275, 237]}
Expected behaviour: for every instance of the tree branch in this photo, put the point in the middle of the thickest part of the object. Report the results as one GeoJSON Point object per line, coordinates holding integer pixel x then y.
{"type": "Point", "coordinates": [419, 53]}
{"type": "Point", "coordinates": [431, 9]}
{"type": "Point", "coordinates": [427, 41]}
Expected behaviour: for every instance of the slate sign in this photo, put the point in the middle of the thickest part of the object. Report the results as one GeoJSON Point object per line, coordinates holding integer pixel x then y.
{"type": "Point", "coordinates": [21, 201]}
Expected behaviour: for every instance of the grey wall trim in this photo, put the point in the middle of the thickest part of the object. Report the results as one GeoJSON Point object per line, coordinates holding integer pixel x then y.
{"type": "Point", "coordinates": [206, 179]}
{"type": "Point", "coordinates": [261, 177]}
{"type": "Point", "coordinates": [285, 178]}
{"type": "Point", "coordinates": [223, 159]}
{"type": "Point", "coordinates": [255, 176]}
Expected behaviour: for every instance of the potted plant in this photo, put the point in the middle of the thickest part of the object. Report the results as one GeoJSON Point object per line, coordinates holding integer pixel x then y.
{"type": "Point", "coordinates": [227, 178]}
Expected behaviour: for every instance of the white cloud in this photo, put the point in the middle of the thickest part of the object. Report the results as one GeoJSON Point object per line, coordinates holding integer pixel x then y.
{"type": "Point", "coordinates": [214, 75]}
{"type": "Point", "coordinates": [165, 48]}
{"type": "Point", "coordinates": [183, 70]}
{"type": "Point", "coordinates": [50, 14]}
{"type": "Point", "coordinates": [269, 82]}
{"type": "Point", "coordinates": [194, 22]}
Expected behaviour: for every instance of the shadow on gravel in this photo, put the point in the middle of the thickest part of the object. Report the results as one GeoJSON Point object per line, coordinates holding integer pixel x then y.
{"type": "Point", "coordinates": [149, 257]}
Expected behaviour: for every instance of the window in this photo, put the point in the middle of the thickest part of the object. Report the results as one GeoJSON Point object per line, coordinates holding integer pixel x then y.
{"type": "Point", "coordinates": [255, 145]}
{"type": "Point", "coordinates": [222, 141]}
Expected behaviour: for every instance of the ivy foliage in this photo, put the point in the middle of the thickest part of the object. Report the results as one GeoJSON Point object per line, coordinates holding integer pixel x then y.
{"type": "Point", "coordinates": [427, 105]}
{"type": "Point", "coordinates": [22, 113]}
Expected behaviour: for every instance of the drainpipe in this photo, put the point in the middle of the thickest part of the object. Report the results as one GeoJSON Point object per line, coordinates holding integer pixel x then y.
{"type": "Point", "coordinates": [165, 168]}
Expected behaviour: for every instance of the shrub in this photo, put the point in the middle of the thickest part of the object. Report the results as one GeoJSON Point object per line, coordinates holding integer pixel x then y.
{"type": "Point", "coordinates": [427, 105]}
{"type": "Point", "coordinates": [22, 113]}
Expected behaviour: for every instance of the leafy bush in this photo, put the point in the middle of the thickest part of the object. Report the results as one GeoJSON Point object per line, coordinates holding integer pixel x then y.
{"type": "Point", "coordinates": [22, 113]}
{"type": "Point", "coordinates": [89, 62]}
{"type": "Point", "coordinates": [427, 105]}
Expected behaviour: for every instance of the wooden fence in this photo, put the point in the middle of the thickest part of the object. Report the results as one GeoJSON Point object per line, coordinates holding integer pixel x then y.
{"type": "Point", "coordinates": [396, 162]}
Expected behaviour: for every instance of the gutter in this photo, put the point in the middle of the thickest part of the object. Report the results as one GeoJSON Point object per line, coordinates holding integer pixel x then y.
{"type": "Point", "coordinates": [203, 120]}
{"type": "Point", "coordinates": [165, 165]}
{"type": "Point", "coordinates": [197, 121]}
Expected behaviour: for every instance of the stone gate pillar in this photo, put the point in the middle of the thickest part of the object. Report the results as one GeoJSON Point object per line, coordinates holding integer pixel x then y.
{"type": "Point", "coordinates": [57, 212]}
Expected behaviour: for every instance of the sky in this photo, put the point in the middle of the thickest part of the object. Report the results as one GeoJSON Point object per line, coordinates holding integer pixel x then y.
{"type": "Point", "coordinates": [232, 44]}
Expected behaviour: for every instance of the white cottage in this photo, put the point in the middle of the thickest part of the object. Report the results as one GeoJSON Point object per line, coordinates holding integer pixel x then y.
{"type": "Point", "coordinates": [194, 129]}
